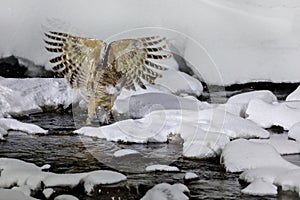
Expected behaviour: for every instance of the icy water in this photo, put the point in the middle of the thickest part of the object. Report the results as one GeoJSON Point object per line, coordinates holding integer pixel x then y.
{"type": "Point", "coordinates": [68, 153]}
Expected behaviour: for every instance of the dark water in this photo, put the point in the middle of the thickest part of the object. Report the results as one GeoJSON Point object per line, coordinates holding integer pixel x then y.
{"type": "Point", "coordinates": [68, 153]}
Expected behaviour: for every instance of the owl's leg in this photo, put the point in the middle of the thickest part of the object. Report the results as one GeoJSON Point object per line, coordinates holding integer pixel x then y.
{"type": "Point", "coordinates": [91, 112]}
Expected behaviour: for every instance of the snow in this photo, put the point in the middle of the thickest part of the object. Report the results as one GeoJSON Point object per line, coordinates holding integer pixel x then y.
{"type": "Point", "coordinates": [15, 125]}
{"type": "Point", "coordinates": [165, 191]}
{"type": "Point", "coordinates": [6, 194]}
{"type": "Point", "coordinates": [48, 192]}
{"type": "Point", "coordinates": [294, 96]}
{"type": "Point", "coordinates": [240, 155]}
{"type": "Point", "coordinates": [190, 176]}
{"type": "Point", "coordinates": [242, 100]}
{"type": "Point", "coordinates": [42, 91]}
{"type": "Point", "coordinates": [179, 83]}
{"type": "Point", "coordinates": [137, 106]}
{"type": "Point", "coordinates": [125, 152]}
{"type": "Point", "coordinates": [289, 181]}
{"type": "Point", "coordinates": [283, 114]}
{"type": "Point", "coordinates": [294, 132]}
{"type": "Point", "coordinates": [283, 146]}
{"type": "Point", "coordinates": [167, 168]}
{"type": "Point", "coordinates": [65, 197]}
{"type": "Point", "coordinates": [260, 188]}
{"type": "Point", "coordinates": [27, 176]}
{"type": "Point", "coordinates": [101, 178]}
{"type": "Point", "coordinates": [229, 36]}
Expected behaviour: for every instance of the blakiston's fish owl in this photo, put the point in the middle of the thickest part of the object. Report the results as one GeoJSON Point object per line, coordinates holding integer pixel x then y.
{"type": "Point", "coordinates": [101, 70]}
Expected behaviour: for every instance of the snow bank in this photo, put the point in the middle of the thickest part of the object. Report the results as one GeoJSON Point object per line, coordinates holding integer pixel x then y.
{"type": "Point", "coordinates": [236, 35]}
{"type": "Point", "coordinates": [21, 174]}
{"type": "Point", "coordinates": [242, 100]}
{"type": "Point", "coordinates": [15, 125]}
{"type": "Point", "coordinates": [65, 197]}
{"type": "Point", "coordinates": [6, 194]}
{"type": "Point", "coordinates": [240, 155]}
{"type": "Point", "coordinates": [294, 96]}
{"type": "Point", "coordinates": [42, 92]}
{"type": "Point", "coordinates": [290, 181]}
{"type": "Point", "coordinates": [162, 168]}
{"type": "Point", "coordinates": [279, 114]}
{"type": "Point", "coordinates": [294, 132]}
{"type": "Point", "coordinates": [165, 191]}
{"type": "Point", "coordinates": [260, 188]}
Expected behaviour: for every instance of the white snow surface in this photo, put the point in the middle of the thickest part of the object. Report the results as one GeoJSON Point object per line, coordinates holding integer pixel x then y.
{"type": "Point", "coordinates": [166, 168]}
{"type": "Point", "coordinates": [242, 100]}
{"type": "Point", "coordinates": [165, 191]}
{"type": "Point", "coordinates": [260, 36]}
{"type": "Point", "coordinates": [294, 132]}
{"type": "Point", "coordinates": [281, 144]}
{"type": "Point", "coordinates": [48, 192]}
{"type": "Point", "coordinates": [241, 154]}
{"type": "Point", "coordinates": [289, 181]}
{"type": "Point", "coordinates": [260, 188]}
{"type": "Point", "coordinates": [284, 114]}
{"type": "Point", "coordinates": [15, 125]}
{"type": "Point", "coordinates": [7, 194]}
{"type": "Point", "coordinates": [294, 96]}
{"type": "Point", "coordinates": [125, 152]}
{"type": "Point", "coordinates": [27, 175]}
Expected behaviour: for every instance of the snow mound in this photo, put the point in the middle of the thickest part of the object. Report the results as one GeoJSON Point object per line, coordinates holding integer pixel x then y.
{"type": "Point", "coordinates": [283, 146]}
{"type": "Point", "coordinates": [289, 181]}
{"type": "Point", "coordinates": [278, 114]}
{"type": "Point", "coordinates": [101, 178]}
{"type": "Point", "coordinates": [294, 96]}
{"type": "Point", "coordinates": [48, 192]}
{"type": "Point", "coordinates": [162, 168]}
{"type": "Point", "coordinates": [190, 176]}
{"type": "Point", "coordinates": [260, 188]}
{"type": "Point", "coordinates": [165, 191]}
{"type": "Point", "coordinates": [294, 132]}
{"type": "Point", "coordinates": [66, 197]}
{"type": "Point", "coordinates": [15, 125]}
{"type": "Point", "coordinates": [137, 106]}
{"type": "Point", "coordinates": [240, 155]}
{"type": "Point", "coordinates": [242, 100]}
{"type": "Point", "coordinates": [180, 83]}
{"type": "Point", "coordinates": [125, 152]}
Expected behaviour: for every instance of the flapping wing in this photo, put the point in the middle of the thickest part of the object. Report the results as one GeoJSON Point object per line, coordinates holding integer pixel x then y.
{"type": "Point", "coordinates": [135, 59]}
{"type": "Point", "coordinates": [77, 58]}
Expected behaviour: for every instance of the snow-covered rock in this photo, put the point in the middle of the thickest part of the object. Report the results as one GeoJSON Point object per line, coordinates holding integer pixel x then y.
{"type": "Point", "coordinates": [27, 176]}
{"type": "Point", "coordinates": [15, 125]}
{"type": "Point", "coordinates": [101, 178]}
{"type": "Point", "coordinates": [243, 99]}
{"type": "Point", "coordinates": [260, 187]}
{"type": "Point", "coordinates": [240, 155]}
{"type": "Point", "coordinates": [282, 145]}
{"type": "Point", "coordinates": [125, 152]}
{"type": "Point", "coordinates": [190, 176]}
{"type": "Point", "coordinates": [7, 194]}
{"type": "Point", "coordinates": [162, 168]}
{"type": "Point", "coordinates": [179, 83]}
{"type": "Point", "coordinates": [48, 192]}
{"type": "Point", "coordinates": [294, 132]}
{"type": "Point", "coordinates": [137, 106]}
{"type": "Point", "coordinates": [278, 114]}
{"type": "Point", "coordinates": [294, 96]}
{"type": "Point", "coordinates": [289, 181]}
{"type": "Point", "coordinates": [52, 92]}
{"type": "Point", "coordinates": [165, 191]}
{"type": "Point", "coordinates": [66, 197]}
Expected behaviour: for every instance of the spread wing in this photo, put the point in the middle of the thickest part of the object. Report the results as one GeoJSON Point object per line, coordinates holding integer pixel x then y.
{"type": "Point", "coordinates": [135, 59]}
{"type": "Point", "coordinates": [77, 58]}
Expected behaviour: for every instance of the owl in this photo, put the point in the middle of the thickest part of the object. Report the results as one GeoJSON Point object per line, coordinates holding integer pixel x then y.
{"type": "Point", "coordinates": [100, 70]}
